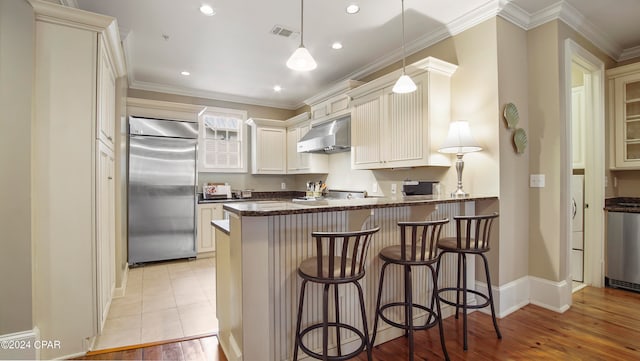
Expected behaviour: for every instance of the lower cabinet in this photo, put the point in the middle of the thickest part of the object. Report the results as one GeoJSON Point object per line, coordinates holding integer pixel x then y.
{"type": "Point", "coordinates": [206, 238]}
{"type": "Point", "coordinates": [105, 229]}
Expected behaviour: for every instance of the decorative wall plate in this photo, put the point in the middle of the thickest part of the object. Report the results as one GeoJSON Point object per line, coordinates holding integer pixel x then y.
{"type": "Point", "coordinates": [511, 115]}
{"type": "Point", "coordinates": [520, 140]}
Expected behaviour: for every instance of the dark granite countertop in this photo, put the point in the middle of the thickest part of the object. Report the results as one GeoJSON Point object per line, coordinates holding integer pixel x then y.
{"type": "Point", "coordinates": [622, 204]}
{"type": "Point", "coordinates": [281, 207]}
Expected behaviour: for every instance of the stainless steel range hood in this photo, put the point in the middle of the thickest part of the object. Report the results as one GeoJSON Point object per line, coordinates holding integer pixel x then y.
{"type": "Point", "coordinates": [330, 137]}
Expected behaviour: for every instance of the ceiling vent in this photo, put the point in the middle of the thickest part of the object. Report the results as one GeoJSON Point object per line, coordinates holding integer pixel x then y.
{"type": "Point", "coordinates": [282, 31]}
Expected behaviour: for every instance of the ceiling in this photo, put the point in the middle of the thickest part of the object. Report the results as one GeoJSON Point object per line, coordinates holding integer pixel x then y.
{"type": "Point", "coordinates": [233, 55]}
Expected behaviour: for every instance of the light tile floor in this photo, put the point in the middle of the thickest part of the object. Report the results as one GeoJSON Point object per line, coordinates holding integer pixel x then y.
{"type": "Point", "coordinates": [163, 301]}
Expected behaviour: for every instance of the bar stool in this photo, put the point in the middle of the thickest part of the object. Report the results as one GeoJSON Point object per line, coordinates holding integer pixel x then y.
{"type": "Point", "coordinates": [417, 248]}
{"type": "Point", "coordinates": [344, 262]}
{"type": "Point", "coordinates": [472, 237]}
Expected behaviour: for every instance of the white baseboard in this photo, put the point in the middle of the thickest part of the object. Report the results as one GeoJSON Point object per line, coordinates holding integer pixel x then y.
{"type": "Point", "coordinates": [507, 298]}
{"type": "Point", "coordinates": [120, 291]}
{"type": "Point", "coordinates": [20, 345]}
{"type": "Point", "coordinates": [554, 296]}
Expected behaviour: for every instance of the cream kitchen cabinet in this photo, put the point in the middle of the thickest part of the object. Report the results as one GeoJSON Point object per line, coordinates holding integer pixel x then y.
{"type": "Point", "coordinates": [624, 86]}
{"type": "Point", "coordinates": [72, 173]}
{"type": "Point", "coordinates": [206, 236]}
{"type": "Point", "coordinates": [391, 130]}
{"type": "Point", "coordinates": [332, 103]}
{"type": "Point", "coordinates": [105, 228]}
{"type": "Point", "coordinates": [268, 146]}
{"type": "Point", "coordinates": [302, 163]}
{"type": "Point", "coordinates": [106, 97]}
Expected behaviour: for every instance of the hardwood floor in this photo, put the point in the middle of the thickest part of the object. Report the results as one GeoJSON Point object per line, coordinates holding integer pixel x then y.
{"type": "Point", "coordinates": [602, 324]}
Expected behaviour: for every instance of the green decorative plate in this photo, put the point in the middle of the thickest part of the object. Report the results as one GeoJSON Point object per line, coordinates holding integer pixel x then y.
{"type": "Point", "coordinates": [511, 115]}
{"type": "Point", "coordinates": [520, 140]}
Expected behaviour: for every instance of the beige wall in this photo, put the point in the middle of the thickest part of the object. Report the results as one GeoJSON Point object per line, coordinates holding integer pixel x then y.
{"type": "Point", "coordinates": [514, 168]}
{"type": "Point", "coordinates": [628, 183]}
{"type": "Point", "coordinates": [545, 132]}
{"type": "Point", "coordinates": [16, 87]}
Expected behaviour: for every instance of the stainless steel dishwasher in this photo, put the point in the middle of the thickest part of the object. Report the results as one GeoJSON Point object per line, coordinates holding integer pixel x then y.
{"type": "Point", "coordinates": [623, 250]}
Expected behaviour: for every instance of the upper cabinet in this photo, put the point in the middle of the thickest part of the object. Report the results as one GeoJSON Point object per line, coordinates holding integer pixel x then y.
{"type": "Point", "coordinates": [302, 163]}
{"type": "Point", "coordinates": [274, 147]}
{"type": "Point", "coordinates": [331, 103]}
{"type": "Point", "coordinates": [624, 92]}
{"type": "Point", "coordinates": [106, 100]}
{"type": "Point", "coordinates": [391, 130]}
{"type": "Point", "coordinates": [268, 146]}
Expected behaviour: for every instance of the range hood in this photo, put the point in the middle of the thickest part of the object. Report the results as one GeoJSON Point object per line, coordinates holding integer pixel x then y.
{"type": "Point", "coordinates": [330, 137]}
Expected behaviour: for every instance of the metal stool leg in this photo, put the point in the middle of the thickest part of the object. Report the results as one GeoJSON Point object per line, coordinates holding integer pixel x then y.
{"type": "Point", "coordinates": [464, 298]}
{"type": "Point", "coordinates": [439, 315]}
{"type": "Point", "coordinates": [458, 284]}
{"type": "Point", "coordinates": [409, 309]}
{"type": "Point", "coordinates": [299, 321]}
{"type": "Point", "coordinates": [490, 295]}
{"type": "Point", "coordinates": [337, 307]}
{"type": "Point", "coordinates": [364, 322]}
{"type": "Point", "coordinates": [377, 315]}
{"type": "Point", "coordinates": [325, 322]}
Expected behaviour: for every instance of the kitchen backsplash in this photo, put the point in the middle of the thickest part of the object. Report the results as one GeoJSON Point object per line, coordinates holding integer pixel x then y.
{"type": "Point", "coordinates": [340, 176]}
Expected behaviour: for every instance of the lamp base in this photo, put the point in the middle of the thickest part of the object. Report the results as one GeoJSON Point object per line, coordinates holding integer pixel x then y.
{"type": "Point", "coordinates": [459, 193]}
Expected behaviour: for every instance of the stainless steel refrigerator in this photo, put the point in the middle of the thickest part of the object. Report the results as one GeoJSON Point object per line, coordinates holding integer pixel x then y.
{"type": "Point", "coordinates": [161, 190]}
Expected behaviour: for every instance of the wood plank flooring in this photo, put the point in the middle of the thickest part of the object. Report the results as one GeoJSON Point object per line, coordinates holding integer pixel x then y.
{"type": "Point", "coordinates": [602, 324]}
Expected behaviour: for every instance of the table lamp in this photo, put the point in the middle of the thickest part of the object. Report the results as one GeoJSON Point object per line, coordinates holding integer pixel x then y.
{"type": "Point", "coordinates": [459, 141]}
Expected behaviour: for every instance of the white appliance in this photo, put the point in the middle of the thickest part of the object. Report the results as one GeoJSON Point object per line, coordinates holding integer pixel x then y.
{"type": "Point", "coordinates": [577, 222]}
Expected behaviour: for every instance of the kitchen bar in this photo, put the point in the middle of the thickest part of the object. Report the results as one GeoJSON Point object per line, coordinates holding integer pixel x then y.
{"type": "Point", "coordinates": [264, 243]}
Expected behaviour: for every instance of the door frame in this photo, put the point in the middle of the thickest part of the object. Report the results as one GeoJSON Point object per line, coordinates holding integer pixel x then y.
{"type": "Point", "coordinates": [594, 192]}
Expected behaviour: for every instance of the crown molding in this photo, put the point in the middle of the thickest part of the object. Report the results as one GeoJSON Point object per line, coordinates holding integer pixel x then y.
{"type": "Point", "coordinates": [70, 3]}
{"type": "Point", "coordinates": [163, 88]}
{"type": "Point", "coordinates": [62, 15]}
{"type": "Point", "coordinates": [339, 87]}
{"type": "Point", "coordinates": [514, 14]}
{"type": "Point", "coordinates": [630, 53]}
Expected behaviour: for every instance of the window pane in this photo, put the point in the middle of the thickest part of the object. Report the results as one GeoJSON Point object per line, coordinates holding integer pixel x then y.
{"type": "Point", "coordinates": [633, 130]}
{"type": "Point", "coordinates": [633, 90]}
{"type": "Point", "coordinates": [633, 151]}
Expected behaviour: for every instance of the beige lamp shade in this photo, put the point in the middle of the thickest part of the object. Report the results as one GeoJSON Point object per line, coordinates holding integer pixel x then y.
{"type": "Point", "coordinates": [459, 140]}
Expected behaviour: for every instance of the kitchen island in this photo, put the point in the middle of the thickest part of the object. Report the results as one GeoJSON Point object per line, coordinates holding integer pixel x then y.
{"type": "Point", "coordinates": [258, 287]}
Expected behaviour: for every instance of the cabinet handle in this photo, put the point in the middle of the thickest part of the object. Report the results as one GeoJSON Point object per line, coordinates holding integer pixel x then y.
{"type": "Point", "coordinates": [109, 178]}
{"type": "Point", "coordinates": [110, 138]}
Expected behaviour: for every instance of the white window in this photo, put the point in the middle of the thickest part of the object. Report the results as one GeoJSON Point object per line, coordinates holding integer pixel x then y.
{"type": "Point", "coordinates": [223, 141]}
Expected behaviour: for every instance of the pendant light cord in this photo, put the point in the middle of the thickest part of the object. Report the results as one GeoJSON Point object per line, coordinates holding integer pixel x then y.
{"type": "Point", "coordinates": [403, 51]}
{"type": "Point", "coordinates": [302, 23]}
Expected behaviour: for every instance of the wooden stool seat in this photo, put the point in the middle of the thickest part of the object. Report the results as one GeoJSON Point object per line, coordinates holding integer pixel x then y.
{"type": "Point", "coordinates": [341, 259]}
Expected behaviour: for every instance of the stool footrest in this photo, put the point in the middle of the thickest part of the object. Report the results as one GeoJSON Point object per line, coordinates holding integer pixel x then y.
{"type": "Point", "coordinates": [460, 290]}
{"type": "Point", "coordinates": [337, 325]}
{"type": "Point", "coordinates": [431, 315]}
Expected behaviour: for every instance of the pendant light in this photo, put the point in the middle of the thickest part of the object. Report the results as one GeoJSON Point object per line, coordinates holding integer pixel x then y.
{"type": "Point", "coordinates": [301, 59]}
{"type": "Point", "coordinates": [404, 83]}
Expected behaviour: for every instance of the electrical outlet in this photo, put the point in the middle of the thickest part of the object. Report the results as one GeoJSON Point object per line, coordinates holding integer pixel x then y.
{"type": "Point", "coordinates": [394, 188]}
{"type": "Point", "coordinates": [283, 185]}
{"type": "Point", "coordinates": [536, 181]}
{"type": "Point", "coordinates": [374, 188]}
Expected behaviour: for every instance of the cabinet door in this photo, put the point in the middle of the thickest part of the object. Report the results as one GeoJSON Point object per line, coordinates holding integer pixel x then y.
{"type": "Point", "coordinates": [105, 190]}
{"type": "Point", "coordinates": [206, 239]}
{"type": "Point", "coordinates": [106, 102]}
{"type": "Point", "coordinates": [366, 120]}
{"type": "Point", "coordinates": [404, 131]}
{"type": "Point", "coordinates": [627, 110]}
{"type": "Point", "coordinates": [270, 151]}
{"type": "Point", "coordinates": [297, 163]}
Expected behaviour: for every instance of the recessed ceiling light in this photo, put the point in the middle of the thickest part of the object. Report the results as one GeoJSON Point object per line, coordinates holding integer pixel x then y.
{"type": "Point", "coordinates": [352, 8]}
{"type": "Point", "coordinates": [185, 73]}
{"type": "Point", "coordinates": [207, 10]}
{"type": "Point", "coordinates": [277, 88]}
{"type": "Point", "coordinates": [337, 45]}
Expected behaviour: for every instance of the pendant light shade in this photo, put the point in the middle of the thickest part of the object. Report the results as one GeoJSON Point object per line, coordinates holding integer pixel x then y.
{"type": "Point", "coordinates": [404, 84]}
{"type": "Point", "coordinates": [301, 59]}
